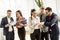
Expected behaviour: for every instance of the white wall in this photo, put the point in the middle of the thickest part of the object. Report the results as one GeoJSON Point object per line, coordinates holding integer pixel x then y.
{"type": "Point", "coordinates": [58, 7]}
{"type": "Point", "coordinates": [24, 5]}
{"type": "Point", "coordinates": [50, 3]}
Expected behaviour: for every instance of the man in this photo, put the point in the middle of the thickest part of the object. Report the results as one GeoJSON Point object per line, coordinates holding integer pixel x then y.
{"type": "Point", "coordinates": [42, 15]}
{"type": "Point", "coordinates": [52, 23]}
{"type": "Point", "coordinates": [7, 25]}
{"type": "Point", "coordinates": [44, 33]}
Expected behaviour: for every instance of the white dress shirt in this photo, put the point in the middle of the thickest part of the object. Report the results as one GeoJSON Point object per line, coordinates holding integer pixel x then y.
{"type": "Point", "coordinates": [10, 27]}
{"type": "Point", "coordinates": [32, 22]}
{"type": "Point", "coordinates": [36, 21]}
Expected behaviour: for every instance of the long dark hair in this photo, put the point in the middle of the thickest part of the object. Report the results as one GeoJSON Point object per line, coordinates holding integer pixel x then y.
{"type": "Point", "coordinates": [19, 13]}
{"type": "Point", "coordinates": [32, 10]}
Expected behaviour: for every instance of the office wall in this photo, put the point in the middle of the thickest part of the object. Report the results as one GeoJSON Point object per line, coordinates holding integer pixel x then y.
{"type": "Point", "coordinates": [24, 5]}
{"type": "Point", "coordinates": [58, 7]}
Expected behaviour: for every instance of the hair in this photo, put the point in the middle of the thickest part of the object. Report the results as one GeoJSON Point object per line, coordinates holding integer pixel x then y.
{"type": "Point", "coordinates": [42, 8]}
{"type": "Point", "coordinates": [19, 13]}
{"type": "Point", "coordinates": [32, 10]}
{"type": "Point", "coordinates": [9, 11]}
{"type": "Point", "coordinates": [49, 9]}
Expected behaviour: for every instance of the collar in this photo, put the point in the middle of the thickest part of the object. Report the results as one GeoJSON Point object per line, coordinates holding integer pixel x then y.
{"type": "Point", "coordinates": [34, 17]}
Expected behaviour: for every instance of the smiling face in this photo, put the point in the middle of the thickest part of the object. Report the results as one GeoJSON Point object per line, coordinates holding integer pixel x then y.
{"type": "Point", "coordinates": [18, 14]}
{"type": "Point", "coordinates": [8, 14]}
{"type": "Point", "coordinates": [48, 12]}
{"type": "Point", "coordinates": [42, 10]}
{"type": "Point", "coordinates": [34, 14]}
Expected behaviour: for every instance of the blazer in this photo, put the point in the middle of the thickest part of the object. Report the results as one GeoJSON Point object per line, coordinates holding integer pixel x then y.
{"type": "Point", "coordinates": [4, 22]}
{"type": "Point", "coordinates": [43, 17]}
{"type": "Point", "coordinates": [52, 20]}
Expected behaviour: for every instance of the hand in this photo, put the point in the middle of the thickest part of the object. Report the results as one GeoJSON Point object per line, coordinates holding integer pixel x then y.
{"type": "Point", "coordinates": [19, 26]}
{"type": "Point", "coordinates": [7, 25]}
{"type": "Point", "coordinates": [52, 24]}
{"type": "Point", "coordinates": [13, 23]}
{"type": "Point", "coordinates": [25, 25]}
{"type": "Point", "coordinates": [35, 24]}
{"type": "Point", "coordinates": [40, 25]}
{"type": "Point", "coordinates": [50, 30]}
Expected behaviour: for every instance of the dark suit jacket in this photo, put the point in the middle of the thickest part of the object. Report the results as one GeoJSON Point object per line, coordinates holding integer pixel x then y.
{"type": "Point", "coordinates": [3, 23]}
{"type": "Point", "coordinates": [52, 20]}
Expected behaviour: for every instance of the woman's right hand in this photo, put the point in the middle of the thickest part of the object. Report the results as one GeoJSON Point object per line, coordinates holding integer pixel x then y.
{"type": "Point", "coordinates": [35, 24]}
{"type": "Point", "coordinates": [19, 26]}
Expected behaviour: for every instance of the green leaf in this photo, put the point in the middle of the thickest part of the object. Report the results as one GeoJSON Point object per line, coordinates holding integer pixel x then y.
{"type": "Point", "coordinates": [39, 3]}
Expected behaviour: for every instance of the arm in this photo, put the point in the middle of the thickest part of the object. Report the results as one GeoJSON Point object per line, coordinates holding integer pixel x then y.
{"type": "Point", "coordinates": [54, 20]}
{"type": "Point", "coordinates": [2, 23]}
{"type": "Point", "coordinates": [46, 23]}
{"type": "Point", "coordinates": [30, 24]}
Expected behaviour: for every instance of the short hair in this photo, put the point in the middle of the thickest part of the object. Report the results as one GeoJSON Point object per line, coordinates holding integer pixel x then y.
{"type": "Point", "coordinates": [42, 8]}
{"type": "Point", "coordinates": [33, 10]}
{"type": "Point", "coordinates": [49, 9]}
{"type": "Point", "coordinates": [9, 11]}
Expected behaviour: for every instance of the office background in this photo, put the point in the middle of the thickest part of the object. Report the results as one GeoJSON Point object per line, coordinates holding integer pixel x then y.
{"type": "Point", "coordinates": [25, 6]}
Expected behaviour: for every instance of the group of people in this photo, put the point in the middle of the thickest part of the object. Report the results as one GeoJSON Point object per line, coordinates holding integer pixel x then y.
{"type": "Point", "coordinates": [40, 25]}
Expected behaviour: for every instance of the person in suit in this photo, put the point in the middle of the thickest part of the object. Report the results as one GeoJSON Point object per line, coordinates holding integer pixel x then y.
{"type": "Point", "coordinates": [34, 25]}
{"type": "Point", "coordinates": [6, 23]}
{"type": "Point", "coordinates": [21, 22]}
{"type": "Point", "coordinates": [44, 29]}
{"type": "Point", "coordinates": [52, 23]}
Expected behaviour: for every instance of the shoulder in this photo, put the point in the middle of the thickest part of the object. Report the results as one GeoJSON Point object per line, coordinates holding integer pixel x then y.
{"type": "Point", "coordinates": [54, 14]}
{"type": "Point", "coordinates": [38, 15]}
{"type": "Point", "coordinates": [4, 18]}
{"type": "Point", "coordinates": [23, 18]}
{"type": "Point", "coordinates": [30, 18]}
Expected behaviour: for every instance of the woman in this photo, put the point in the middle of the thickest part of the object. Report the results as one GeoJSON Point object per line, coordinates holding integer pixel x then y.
{"type": "Point", "coordinates": [34, 25]}
{"type": "Point", "coordinates": [20, 24]}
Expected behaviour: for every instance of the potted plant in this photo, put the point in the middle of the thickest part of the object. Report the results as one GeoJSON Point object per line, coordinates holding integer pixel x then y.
{"type": "Point", "coordinates": [39, 3]}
